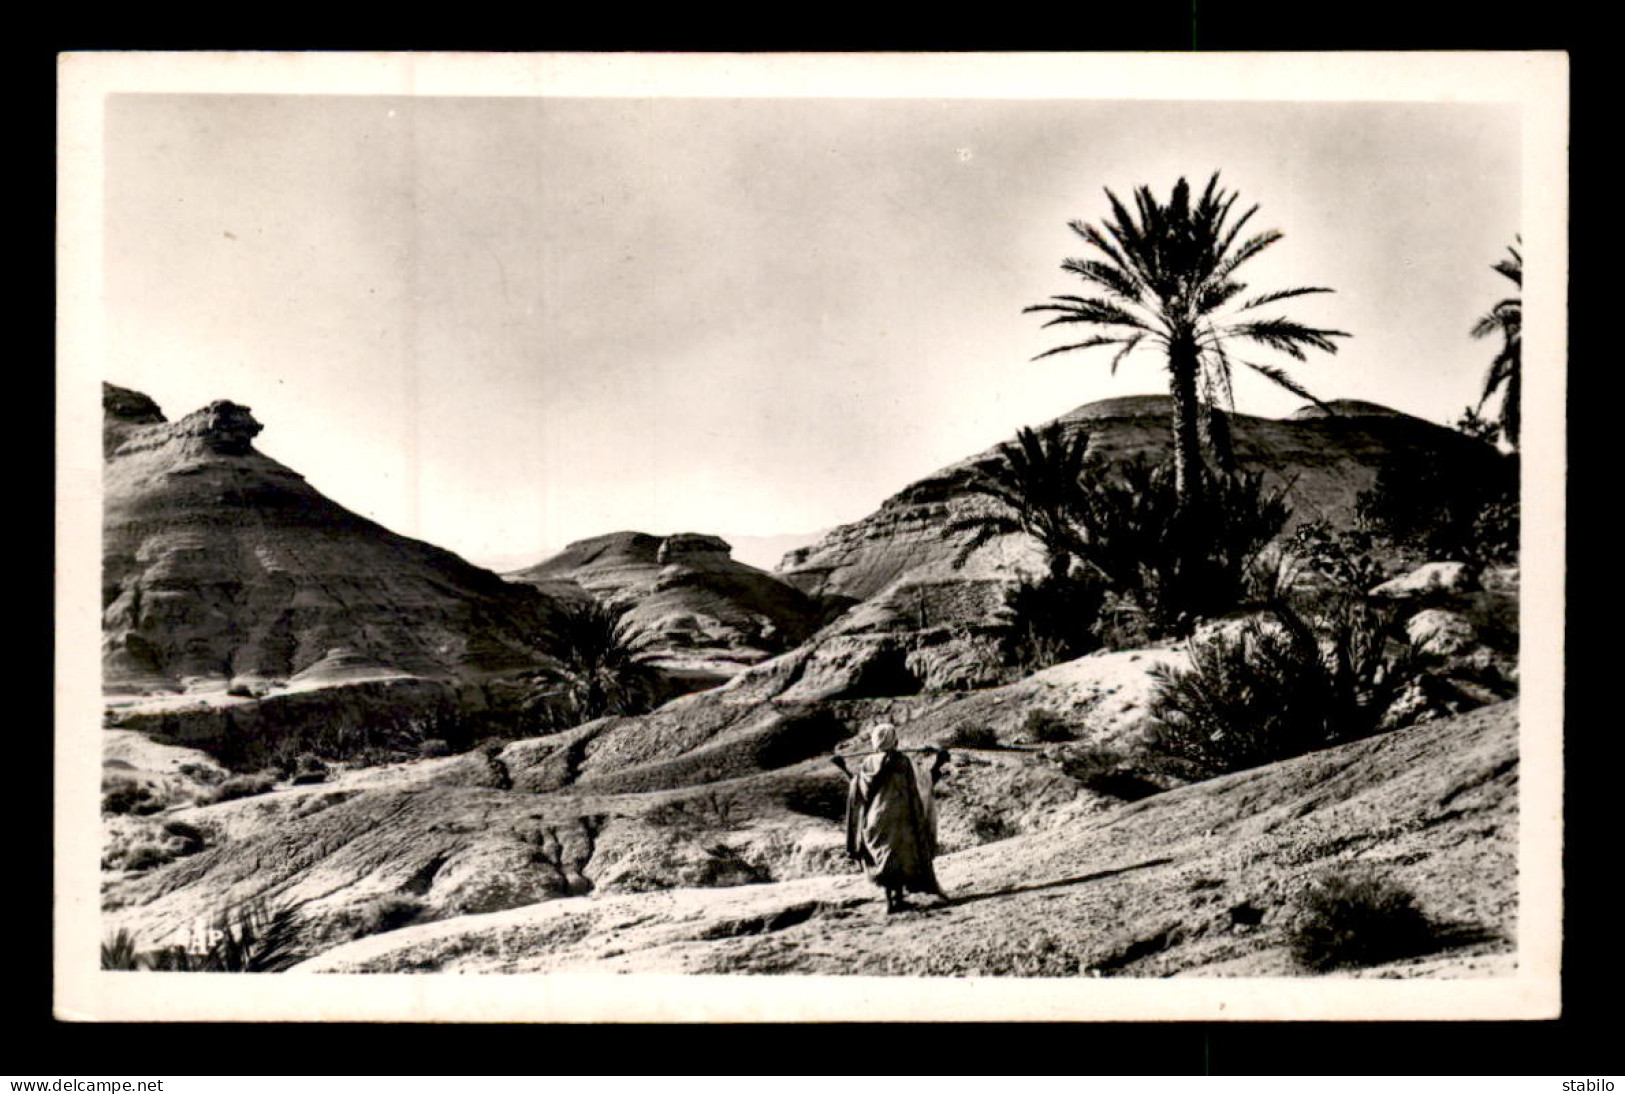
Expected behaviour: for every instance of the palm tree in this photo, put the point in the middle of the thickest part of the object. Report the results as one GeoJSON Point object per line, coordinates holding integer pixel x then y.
{"type": "Point", "coordinates": [1506, 318]}
{"type": "Point", "coordinates": [1033, 485]}
{"type": "Point", "coordinates": [600, 667]}
{"type": "Point", "coordinates": [1166, 282]}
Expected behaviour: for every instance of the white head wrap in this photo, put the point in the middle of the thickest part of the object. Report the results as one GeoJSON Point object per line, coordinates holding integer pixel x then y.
{"type": "Point", "coordinates": [883, 737]}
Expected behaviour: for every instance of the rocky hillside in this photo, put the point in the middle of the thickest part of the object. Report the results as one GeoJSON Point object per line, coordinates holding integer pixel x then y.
{"type": "Point", "coordinates": [1204, 880]}
{"type": "Point", "coordinates": [688, 591]}
{"type": "Point", "coordinates": [223, 568]}
{"type": "Point", "coordinates": [1324, 460]}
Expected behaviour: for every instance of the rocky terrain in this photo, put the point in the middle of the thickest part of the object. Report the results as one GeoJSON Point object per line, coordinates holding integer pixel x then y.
{"type": "Point", "coordinates": [705, 836]}
{"type": "Point", "coordinates": [702, 609]}
{"type": "Point", "coordinates": [224, 569]}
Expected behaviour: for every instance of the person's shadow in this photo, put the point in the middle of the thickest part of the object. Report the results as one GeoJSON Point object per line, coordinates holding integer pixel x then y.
{"type": "Point", "coordinates": [959, 901]}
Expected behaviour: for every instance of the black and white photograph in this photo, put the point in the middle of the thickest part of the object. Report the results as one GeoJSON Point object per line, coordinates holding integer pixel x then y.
{"type": "Point", "coordinates": [746, 537]}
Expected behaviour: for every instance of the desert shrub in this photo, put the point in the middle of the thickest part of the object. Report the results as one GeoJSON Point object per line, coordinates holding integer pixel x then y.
{"type": "Point", "coordinates": [146, 856]}
{"type": "Point", "coordinates": [119, 951]}
{"type": "Point", "coordinates": [1346, 558]}
{"type": "Point", "coordinates": [989, 826]}
{"type": "Point", "coordinates": [256, 937]}
{"type": "Point", "coordinates": [244, 786]}
{"type": "Point", "coordinates": [1478, 427]}
{"type": "Point", "coordinates": [972, 735]}
{"type": "Point", "coordinates": [1050, 620]}
{"type": "Point", "coordinates": [1439, 509]}
{"type": "Point", "coordinates": [239, 691]}
{"type": "Point", "coordinates": [1264, 693]}
{"type": "Point", "coordinates": [433, 747]}
{"type": "Point", "coordinates": [308, 769]}
{"type": "Point", "coordinates": [252, 937]}
{"type": "Point", "coordinates": [206, 774]}
{"type": "Point", "coordinates": [1047, 727]}
{"type": "Point", "coordinates": [387, 913]}
{"type": "Point", "coordinates": [133, 798]}
{"type": "Point", "coordinates": [1350, 920]}
{"type": "Point", "coordinates": [189, 839]}
{"type": "Point", "coordinates": [1177, 563]}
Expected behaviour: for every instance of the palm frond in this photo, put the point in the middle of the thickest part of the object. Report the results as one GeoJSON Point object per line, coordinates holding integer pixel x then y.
{"type": "Point", "coordinates": [1280, 377]}
{"type": "Point", "coordinates": [1075, 345]}
{"type": "Point", "coordinates": [1284, 294]}
{"type": "Point", "coordinates": [1288, 336]}
{"type": "Point", "coordinates": [1105, 275]}
{"type": "Point", "coordinates": [1128, 347]}
{"type": "Point", "coordinates": [1082, 309]}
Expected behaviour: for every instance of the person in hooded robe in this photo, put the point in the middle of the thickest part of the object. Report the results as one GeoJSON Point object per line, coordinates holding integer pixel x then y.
{"type": "Point", "coordinates": [891, 817]}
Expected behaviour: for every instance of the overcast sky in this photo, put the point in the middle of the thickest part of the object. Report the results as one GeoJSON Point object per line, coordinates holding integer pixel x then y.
{"type": "Point", "coordinates": [504, 324]}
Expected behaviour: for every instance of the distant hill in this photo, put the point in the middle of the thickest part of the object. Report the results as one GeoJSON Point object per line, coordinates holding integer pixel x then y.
{"type": "Point", "coordinates": [221, 566]}
{"type": "Point", "coordinates": [1324, 460]}
{"type": "Point", "coordinates": [688, 590]}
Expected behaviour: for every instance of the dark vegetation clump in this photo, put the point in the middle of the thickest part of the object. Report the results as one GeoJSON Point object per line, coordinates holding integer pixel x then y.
{"type": "Point", "coordinates": [600, 669]}
{"type": "Point", "coordinates": [1047, 727]}
{"type": "Point", "coordinates": [131, 798]}
{"type": "Point", "coordinates": [1264, 692]}
{"type": "Point", "coordinates": [1433, 509]}
{"type": "Point", "coordinates": [434, 747]}
{"type": "Point", "coordinates": [1105, 771]}
{"type": "Point", "coordinates": [244, 786]}
{"type": "Point", "coordinates": [1348, 560]}
{"type": "Point", "coordinates": [990, 826]}
{"type": "Point", "coordinates": [252, 937]}
{"type": "Point", "coordinates": [972, 736]}
{"type": "Point", "coordinates": [146, 856]}
{"type": "Point", "coordinates": [359, 735]}
{"type": "Point", "coordinates": [1050, 620]}
{"type": "Point", "coordinates": [1174, 564]}
{"type": "Point", "coordinates": [387, 913]}
{"type": "Point", "coordinates": [1352, 920]}
{"type": "Point", "coordinates": [306, 770]}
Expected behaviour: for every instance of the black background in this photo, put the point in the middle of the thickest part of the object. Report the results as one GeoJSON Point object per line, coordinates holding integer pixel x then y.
{"type": "Point", "coordinates": [1585, 1041]}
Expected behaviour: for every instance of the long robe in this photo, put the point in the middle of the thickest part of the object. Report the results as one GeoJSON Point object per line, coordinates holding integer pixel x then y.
{"type": "Point", "coordinates": [891, 822]}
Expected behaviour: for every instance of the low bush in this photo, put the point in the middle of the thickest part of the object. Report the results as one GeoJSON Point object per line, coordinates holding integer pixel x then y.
{"type": "Point", "coordinates": [990, 826]}
{"type": "Point", "coordinates": [433, 747]}
{"type": "Point", "coordinates": [1264, 693]}
{"type": "Point", "coordinates": [1047, 727]}
{"type": "Point", "coordinates": [308, 769]}
{"type": "Point", "coordinates": [1349, 920]}
{"type": "Point", "coordinates": [1431, 509]}
{"type": "Point", "coordinates": [119, 952]}
{"type": "Point", "coordinates": [1050, 620]}
{"type": "Point", "coordinates": [1347, 558]}
{"type": "Point", "coordinates": [146, 856]}
{"type": "Point", "coordinates": [244, 786]}
{"type": "Point", "coordinates": [387, 913]}
{"type": "Point", "coordinates": [131, 798]}
{"type": "Point", "coordinates": [971, 735]}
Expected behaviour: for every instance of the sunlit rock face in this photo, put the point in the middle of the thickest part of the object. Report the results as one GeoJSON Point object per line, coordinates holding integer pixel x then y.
{"type": "Point", "coordinates": [221, 567]}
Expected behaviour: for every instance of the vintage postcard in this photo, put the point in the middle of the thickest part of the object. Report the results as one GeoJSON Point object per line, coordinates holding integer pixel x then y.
{"type": "Point", "coordinates": [810, 537]}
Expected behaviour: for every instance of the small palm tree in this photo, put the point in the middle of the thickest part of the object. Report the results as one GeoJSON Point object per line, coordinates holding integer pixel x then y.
{"type": "Point", "coordinates": [1033, 485]}
{"type": "Point", "coordinates": [1506, 319]}
{"type": "Point", "coordinates": [600, 667]}
{"type": "Point", "coordinates": [1166, 281]}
